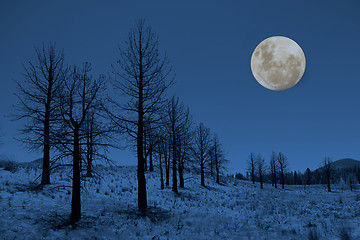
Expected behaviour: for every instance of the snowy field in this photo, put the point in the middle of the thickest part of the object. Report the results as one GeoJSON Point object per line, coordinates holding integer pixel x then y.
{"type": "Point", "coordinates": [234, 210]}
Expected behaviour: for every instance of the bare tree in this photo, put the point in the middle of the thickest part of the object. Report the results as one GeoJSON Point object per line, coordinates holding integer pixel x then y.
{"type": "Point", "coordinates": [260, 163]}
{"type": "Point", "coordinates": [167, 158]}
{"type": "Point", "coordinates": [308, 176]}
{"type": "Point", "coordinates": [273, 169]}
{"type": "Point", "coordinates": [184, 145]}
{"type": "Point", "coordinates": [295, 178]}
{"type": "Point", "coordinates": [201, 148]}
{"type": "Point", "coordinates": [140, 76]}
{"type": "Point", "coordinates": [150, 142]}
{"type": "Point", "coordinates": [251, 166]}
{"type": "Point", "coordinates": [219, 158]}
{"type": "Point", "coordinates": [161, 150]}
{"type": "Point", "coordinates": [352, 180]}
{"type": "Point", "coordinates": [212, 161]}
{"type": "Point", "coordinates": [98, 137]}
{"type": "Point", "coordinates": [90, 140]}
{"type": "Point", "coordinates": [178, 126]}
{"type": "Point", "coordinates": [79, 96]}
{"type": "Point", "coordinates": [43, 79]}
{"type": "Point", "coordinates": [282, 161]}
{"type": "Point", "coordinates": [165, 150]}
{"type": "Point", "coordinates": [327, 170]}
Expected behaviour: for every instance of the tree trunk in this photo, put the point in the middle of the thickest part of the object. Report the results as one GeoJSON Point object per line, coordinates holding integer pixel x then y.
{"type": "Point", "coordinates": [167, 168]}
{"type": "Point", "coordinates": [90, 149]}
{"type": "Point", "coordinates": [144, 150]}
{"type": "Point", "coordinates": [202, 174]}
{"type": "Point", "coordinates": [161, 173]}
{"type": "Point", "coordinates": [151, 160]}
{"type": "Point", "coordinates": [253, 176]}
{"type": "Point", "coordinates": [181, 174]}
{"type": "Point", "coordinates": [261, 181]}
{"type": "Point", "coordinates": [275, 177]}
{"type": "Point", "coordinates": [328, 182]}
{"type": "Point", "coordinates": [142, 199]}
{"type": "Point", "coordinates": [174, 185]}
{"type": "Point", "coordinates": [89, 167]}
{"type": "Point", "coordinates": [217, 166]}
{"type": "Point", "coordinates": [76, 202]}
{"type": "Point", "coordinates": [45, 178]}
{"type": "Point", "coordinates": [88, 170]}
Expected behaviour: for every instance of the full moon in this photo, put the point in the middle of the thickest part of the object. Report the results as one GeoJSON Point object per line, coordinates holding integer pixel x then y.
{"type": "Point", "coordinates": [278, 63]}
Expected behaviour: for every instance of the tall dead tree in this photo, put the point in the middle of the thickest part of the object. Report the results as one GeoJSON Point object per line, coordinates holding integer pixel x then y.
{"type": "Point", "coordinates": [161, 150]}
{"type": "Point", "coordinates": [150, 142]}
{"type": "Point", "coordinates": [79, 96]}
{"type": "Point", "coordinates": [260, 163]}
{"type": "Point", "coordinates": [166, 152]}
{"type": "Point", "coordinates": [219, 158]}
{"type": "Point", "coordinates": [327, 171]}
{"type": "Point", "coordinates": [90, 140]}
{"type": "Point", "coordinates": [308, 176]}
{"type": "Point", "coordinates": [282, 162]}
{"type": "Point", "coordinates": [212, 161]}
{"type": "Point", "coordinates": [273, 169]}
{"type": "Point", "coordinates": [43, 79]}
{"type": "Point", "coordinates": [177, 120]}
{"type": "Point", "coordinates": [351, 178]}
{"type": "Point", "coordinates": [201, 148]}
{"type": "Point", "coordinates": [141, 77]}
{"type": "Point", "coordinates": [98, 137]}
{"type": "Point", "coordinates": [252, 166]}
{"type": "Point", "coordinates": [184, 144]}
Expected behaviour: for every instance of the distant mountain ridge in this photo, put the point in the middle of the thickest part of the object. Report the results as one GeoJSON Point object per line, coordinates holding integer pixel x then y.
{"type": "Point", "coordinates": [345, 163]}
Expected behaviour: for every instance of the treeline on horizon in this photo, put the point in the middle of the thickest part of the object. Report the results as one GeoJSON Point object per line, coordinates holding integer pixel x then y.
{"type": "Point", "coordinates": [276, 172]}
{"type": "Point", "coordinates": [73, 118]}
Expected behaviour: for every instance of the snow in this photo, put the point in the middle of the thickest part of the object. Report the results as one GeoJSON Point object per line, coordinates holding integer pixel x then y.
{"type": "Point", "coordinates": [234, 210]}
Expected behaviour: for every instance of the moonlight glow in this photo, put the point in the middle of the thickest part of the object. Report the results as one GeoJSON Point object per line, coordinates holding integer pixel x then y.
{"type": "Point", "coordinates": [278, 63]}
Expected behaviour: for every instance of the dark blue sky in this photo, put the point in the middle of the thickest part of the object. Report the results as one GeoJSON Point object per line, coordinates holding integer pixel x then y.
{"type": "Point", "coordinates": [209, 44]}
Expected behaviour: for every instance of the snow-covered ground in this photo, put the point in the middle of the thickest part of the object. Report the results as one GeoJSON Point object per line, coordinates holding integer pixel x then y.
{"type": "Point", "coordinates": [234, 210]}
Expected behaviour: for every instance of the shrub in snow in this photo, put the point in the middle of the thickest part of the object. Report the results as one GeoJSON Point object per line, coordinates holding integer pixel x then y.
{"type": "Point", "coordinates": [313, 234]}
{"type": "Point", "coordinates": [344, 232]}
{"type": "Point", "coordinates": [342, 185]}
{"type": "Point", "coordinates": [9, 166]}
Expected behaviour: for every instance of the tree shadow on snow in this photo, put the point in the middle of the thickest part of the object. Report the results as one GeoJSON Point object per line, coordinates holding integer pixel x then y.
{"type": "Point", "coordinates": [155, 214]}
{"type": "Point", "coordinates": [58, 222]}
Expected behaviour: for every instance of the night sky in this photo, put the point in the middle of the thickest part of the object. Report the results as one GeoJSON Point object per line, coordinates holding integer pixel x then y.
{"type": "Point", "coordinates": [209, 44]}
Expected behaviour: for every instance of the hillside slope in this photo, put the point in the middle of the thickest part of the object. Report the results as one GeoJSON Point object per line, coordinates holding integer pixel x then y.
{"type": "Point", "coordinates": [345, 163]}
{"type": "Point", "coordinates": [234, 210]}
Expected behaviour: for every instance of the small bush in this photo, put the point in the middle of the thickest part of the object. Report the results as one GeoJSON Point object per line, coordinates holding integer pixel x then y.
{"type": "Point", "coordinates": [9, 165]}
{"type": "Point", "coordinates": [344, 233]}
{"type": "Point", "coordinates": [313, 234]}
{"type": "Point", "coordinates": [357, 198]}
